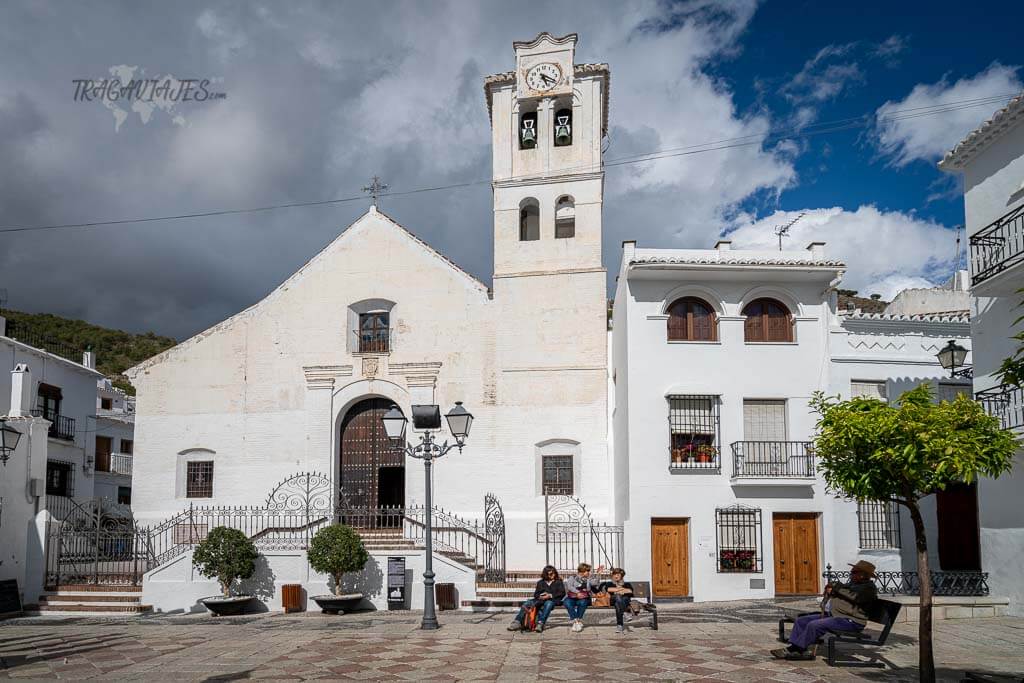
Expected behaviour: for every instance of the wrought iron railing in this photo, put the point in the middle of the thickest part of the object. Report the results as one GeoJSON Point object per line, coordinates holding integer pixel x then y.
{"type": "Point", "coordinates": [1005, 402]}
{"type": "Point", "coordinates": [453, 536]}
{"type": "Point", "coordinates": [909, 583]}
{"type": "Point", "coordinates": [372, 341]}
{"type": "Point", "coordinates": [95, 542]}
{"type": "Point", "coordinates": [695, 457]}
{"type": "Point", "coordinates": [773, 459]}
{"type": "Point", "coordinates": [121, 463]}
{"type": "Point", "coordinates": [571, 536]}
{"type": "Point", "coordinates": [998, 246]}
{"type": "Point", "coordinates": [61, 427]}
{"type": "Point", "coordinates": [19, 331]}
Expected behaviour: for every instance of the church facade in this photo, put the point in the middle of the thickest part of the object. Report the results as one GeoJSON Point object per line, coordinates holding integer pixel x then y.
{"type": "Point", "coordinates": [298, 382]}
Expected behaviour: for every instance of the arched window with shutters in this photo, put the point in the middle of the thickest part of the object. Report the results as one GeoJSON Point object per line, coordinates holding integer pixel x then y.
{"type": "Point", "coordinates": [529, 220]}
{"type": "Point", "coordinates": [692, 319]}
{"type": "Point", "coordinates": [767, 320]}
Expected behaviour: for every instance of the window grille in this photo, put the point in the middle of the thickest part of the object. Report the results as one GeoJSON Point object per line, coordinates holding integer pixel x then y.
{"type": "Point", "coordinates": [868, 389]}
{"type": "Point", "coordinates": [693, 424]}
{"type": "Point", "coordinates": [878, 524]}
{"type": "Point", "coordinates": [199, 480]}
{"type": "Point", "coordinates": [374, 332]}
{"type": "Point", "coordinates": [557, 475]}
{"type": "Point", "coordinates": [60, 478]}
{"type": "Point", "coordinates": [738, 542]}
{"type": "Point", "coordinates": [690, 319]}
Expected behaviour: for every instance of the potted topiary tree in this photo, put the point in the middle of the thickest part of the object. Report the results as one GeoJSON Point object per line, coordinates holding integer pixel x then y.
{"type": "Point", "coordinates": [336, 550]}
{"type": "Point", "coordinates": [226, 555]}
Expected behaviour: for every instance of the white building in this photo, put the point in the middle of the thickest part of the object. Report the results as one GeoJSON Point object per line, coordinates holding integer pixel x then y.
{"type": "Point", "coordinates": [114, 443]}
{"type": "Point", "coordinates": [298, 382]}
{"type": "Point", "coordinates": [991, 161]}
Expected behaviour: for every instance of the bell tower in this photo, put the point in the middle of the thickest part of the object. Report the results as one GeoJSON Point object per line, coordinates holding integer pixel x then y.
{"type": "Point", "coordinates": [548, 120]}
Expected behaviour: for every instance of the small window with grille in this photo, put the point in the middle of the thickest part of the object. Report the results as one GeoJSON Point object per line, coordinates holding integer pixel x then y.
{"type": "Point", "coordinates": [693, 424]}
{"type": "Point", "coordinates": [199, 480]}
{"type": "Point", "coordinates": [739, 539]}
{"type": "Point", "coordinates": [374, 332]}
{"type": "Point", "coordinates": [557, 475]}
{"type": "Point", "coordinates": [878, 524]}
{"type": "Point", "coordinates": [60, 478]}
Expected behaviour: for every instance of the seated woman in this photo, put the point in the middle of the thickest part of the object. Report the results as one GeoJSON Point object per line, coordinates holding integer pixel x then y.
{"type": "Point", "coordinates": [844, 608]}
{"type": "Point", "coordinates": [621, 592]}
{"type": "Point", "coordinates": [578, 588]}
{"type": "Point", "coordinates": [549, 592]}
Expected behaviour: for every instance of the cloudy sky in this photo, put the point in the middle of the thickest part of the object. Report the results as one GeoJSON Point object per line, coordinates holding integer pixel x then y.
{"type": "Point", "coordinates": [319, 97]}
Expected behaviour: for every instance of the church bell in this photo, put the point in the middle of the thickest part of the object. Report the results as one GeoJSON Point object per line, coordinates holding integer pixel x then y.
{"type": "Point", "coordinates": [563, 129]}
{"type": "Point", "coordinates": [528, 133]}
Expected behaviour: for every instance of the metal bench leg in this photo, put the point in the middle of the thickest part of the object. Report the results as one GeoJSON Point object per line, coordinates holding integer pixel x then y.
{"type": "Point", "coordinates": [830, 644]}
{"type": "Point", "coordinates": [654, 620]}
{"type": "Point", "coordinates": [782, 630]}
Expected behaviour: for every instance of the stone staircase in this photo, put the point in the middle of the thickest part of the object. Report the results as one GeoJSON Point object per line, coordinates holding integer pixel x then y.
{"type": "Point", "coordinates": [392, 539]}
{"type": "Point", "coordinates": [504, 596]}
{"type": "Point", "coordinates": [83, 599]}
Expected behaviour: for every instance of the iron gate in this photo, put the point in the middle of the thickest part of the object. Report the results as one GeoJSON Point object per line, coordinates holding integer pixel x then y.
{"type": "Point", "coordinates": [97, 542]}
{"type": "Point", "coordinates": [571, 536]}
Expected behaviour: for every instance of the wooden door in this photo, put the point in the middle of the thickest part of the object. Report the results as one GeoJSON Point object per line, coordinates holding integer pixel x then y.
{"type": "Point", "coordinates": [104, 446]}
{"type": "Point", "coordinates": [365, 451]}
{"type": "Point", "coordinates": [959, 539]}
{"type": "Point", "coordinates": [795, 538]}
{"type": "Point", "coordinates": [670, 576]}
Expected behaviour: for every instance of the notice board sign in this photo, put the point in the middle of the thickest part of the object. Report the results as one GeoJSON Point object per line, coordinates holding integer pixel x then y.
{"type": "Point", "coordinates": [396, 583]}
{"type": "Point", "coordinates": [10, 598]}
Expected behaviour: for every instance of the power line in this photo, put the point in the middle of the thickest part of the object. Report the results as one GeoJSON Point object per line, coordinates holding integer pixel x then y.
{"type": "Point", "coordinates": [809, 130]}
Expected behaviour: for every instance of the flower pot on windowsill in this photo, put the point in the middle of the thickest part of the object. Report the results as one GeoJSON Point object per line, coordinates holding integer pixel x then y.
{"type": "Point", "coordinates": [338, 604]}
{"type": "Point", "coordinates": [221, 606]}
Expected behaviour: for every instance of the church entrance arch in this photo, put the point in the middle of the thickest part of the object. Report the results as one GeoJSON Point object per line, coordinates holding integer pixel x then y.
{"type": "Point", "coordinates": [372, 468]}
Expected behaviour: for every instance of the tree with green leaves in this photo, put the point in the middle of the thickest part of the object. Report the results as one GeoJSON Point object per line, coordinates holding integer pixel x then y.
{"type": "Point", "coordinates": [871, 450]}
{"type": "Point", "coordinates": [337, 550]}
{"type": "Point", "coordinates": [226, 555]}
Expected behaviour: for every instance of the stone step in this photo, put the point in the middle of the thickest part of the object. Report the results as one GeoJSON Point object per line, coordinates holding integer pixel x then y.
{"type": "Point", "coordinates": [86, 597]}
{"type": "Point", "coordinates": [94, 588]}
{"type": "Point", "coordinates": [93, 608]}
{"type": "Point", "coordinates": [492, 605]}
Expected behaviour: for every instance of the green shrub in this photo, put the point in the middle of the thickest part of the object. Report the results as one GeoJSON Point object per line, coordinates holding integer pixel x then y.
{"type": "Point", "coordinates": [337, 550]}
{"type": "Point", "coordinates": [226, 555]}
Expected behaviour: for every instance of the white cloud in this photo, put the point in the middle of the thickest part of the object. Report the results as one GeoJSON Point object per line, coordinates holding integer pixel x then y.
{"type": "Point", "coordinates": [884, 251]}
{"type": "Point", "coordinates": [905, 135]}
{"type": "Point", "coordinates": [822, 77]}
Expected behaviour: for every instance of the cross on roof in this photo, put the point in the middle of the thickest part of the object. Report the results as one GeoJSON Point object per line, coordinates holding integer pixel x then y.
{"type": "Point", "coordinates": [375, 189]}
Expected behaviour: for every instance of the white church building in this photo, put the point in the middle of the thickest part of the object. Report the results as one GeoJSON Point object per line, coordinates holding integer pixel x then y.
{"type": "Point", "coordinates": [673, 439]}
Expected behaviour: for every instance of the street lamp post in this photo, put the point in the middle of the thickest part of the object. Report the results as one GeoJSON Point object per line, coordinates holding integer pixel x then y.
{"type": "Point", "coordinates": [9, 438]}
{"type": "Point", "coordinates": [951, 357]}
{"type": "Point", "coordinates": [428, 417]}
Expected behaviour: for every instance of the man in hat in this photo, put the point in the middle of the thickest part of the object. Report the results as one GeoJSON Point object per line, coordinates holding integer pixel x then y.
{"type": "Point", "coordinates": [844, 608]}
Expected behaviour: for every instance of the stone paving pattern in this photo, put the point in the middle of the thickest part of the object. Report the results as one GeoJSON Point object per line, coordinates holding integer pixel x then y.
{"type": "Point", "coordinates": [696, 643]}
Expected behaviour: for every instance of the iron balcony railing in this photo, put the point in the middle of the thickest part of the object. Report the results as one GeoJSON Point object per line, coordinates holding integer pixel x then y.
{"type": "Point", "coordinates": [372, 341]}
{"type": "Point", "coordinates": [1005, 402]}
{"type": "Point", "coordinates": [909, 583]}
{"type": "Point", "coordinates": [61, 427]}
{"type": "Point", "coordinates": [114, 463]}
{"type": "Point", "coordinates": [998, 246]}
{"type": "Point", "coordinates": [768, 459]}
{"type": "Point", "coordinates": [19, 331]}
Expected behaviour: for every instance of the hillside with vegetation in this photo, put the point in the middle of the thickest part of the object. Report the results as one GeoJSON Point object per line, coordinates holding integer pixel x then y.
{"type": "Point", "coordinates": [116, 350]}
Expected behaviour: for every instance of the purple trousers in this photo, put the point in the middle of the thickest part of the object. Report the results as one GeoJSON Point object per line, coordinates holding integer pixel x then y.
{"type": "Point", "coordinates": [810, 627]}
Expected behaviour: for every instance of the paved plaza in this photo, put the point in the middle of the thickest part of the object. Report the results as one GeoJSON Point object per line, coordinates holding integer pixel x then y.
{"type": "Point", "coordinates": [725, 642]}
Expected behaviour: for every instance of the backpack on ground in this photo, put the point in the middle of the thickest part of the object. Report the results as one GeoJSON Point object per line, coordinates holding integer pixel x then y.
{"type": "Point", "coordinates": [530, 618]}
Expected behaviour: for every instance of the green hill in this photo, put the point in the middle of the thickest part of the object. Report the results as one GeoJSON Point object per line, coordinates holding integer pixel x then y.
{"type": "Point", "coordinates": [116, 350]}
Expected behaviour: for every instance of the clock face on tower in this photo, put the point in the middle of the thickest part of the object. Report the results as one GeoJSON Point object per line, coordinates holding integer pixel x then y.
{"type": "Point", "coordinates": [544, 77]}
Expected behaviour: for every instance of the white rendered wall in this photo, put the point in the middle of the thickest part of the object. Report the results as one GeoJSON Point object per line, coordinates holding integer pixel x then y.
{"type": "Point", "coordinates": [21, 538]}
{"type": "Point", "coordinates": [992, 187]}
{"type": "Point", "coordinates": [176, 587]}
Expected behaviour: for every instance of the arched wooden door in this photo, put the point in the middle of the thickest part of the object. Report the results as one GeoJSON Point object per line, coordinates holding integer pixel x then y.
{"type": "Point", "coordinates": [372, 468]}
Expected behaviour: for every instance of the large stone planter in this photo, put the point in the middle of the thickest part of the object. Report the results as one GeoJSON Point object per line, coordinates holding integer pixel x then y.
{"type": "Point", "coordinates": [220, 606]}
{"type": "Point", "coordinates": [338, 604]}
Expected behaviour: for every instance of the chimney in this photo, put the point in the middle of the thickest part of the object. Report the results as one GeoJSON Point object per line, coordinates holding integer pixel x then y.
{"type": "Point", "coordinates": [817, 250]}
{"type": "Point", "coordinates": [628, 249]}
{"type": "Point", "coordinates": [89, 359]}
{"type": "Point", "coordinates": [3, 326]}
{"type": "Point", "coordinates": [21, 391]}
{"type": "Point", "coordinates": [723, 245]}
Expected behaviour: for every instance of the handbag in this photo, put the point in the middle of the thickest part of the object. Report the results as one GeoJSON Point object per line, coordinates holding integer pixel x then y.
{"type": "Point", "coordinates": [602, 600]}
{"type": "Point", "coordinates": [530, 618]}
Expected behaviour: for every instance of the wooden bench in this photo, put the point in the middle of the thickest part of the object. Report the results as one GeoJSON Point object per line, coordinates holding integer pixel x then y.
{"type": "Point", "coordinates": [642, 594]}
{"type": "Point", "coordinates": [882, 612]}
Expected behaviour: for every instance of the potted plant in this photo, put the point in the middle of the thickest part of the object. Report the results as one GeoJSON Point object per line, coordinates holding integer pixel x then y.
{"type": "Point", "coordinates": [226, 555]}
{"type": "Point", "coordinates": [337, 550]}
{"type": "Point", "coordinates": [706, 453]}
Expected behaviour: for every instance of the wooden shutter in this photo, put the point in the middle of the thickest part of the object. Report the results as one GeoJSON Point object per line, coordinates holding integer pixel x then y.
{"type": "Point", "coordinates": [753, 326]}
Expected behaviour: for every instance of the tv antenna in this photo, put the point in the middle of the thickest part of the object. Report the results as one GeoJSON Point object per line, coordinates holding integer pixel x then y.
{"type": "Point", "coordinates": [783, 230]}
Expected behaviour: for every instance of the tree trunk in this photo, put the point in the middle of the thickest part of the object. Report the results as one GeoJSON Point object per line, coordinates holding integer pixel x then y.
{"type": "Point", "coordinates": [225, 588]}
{"type": "Point", "coordinates": [926, 659]}
{"type": "Point", "coordinates": [337, 584]}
